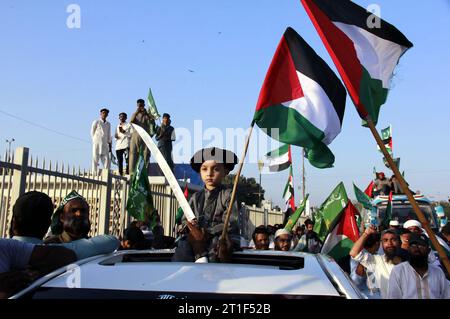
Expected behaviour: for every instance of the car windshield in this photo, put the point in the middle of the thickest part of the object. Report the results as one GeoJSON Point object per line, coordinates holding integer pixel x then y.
{"type": "Point", "coordinates": [405, 212]}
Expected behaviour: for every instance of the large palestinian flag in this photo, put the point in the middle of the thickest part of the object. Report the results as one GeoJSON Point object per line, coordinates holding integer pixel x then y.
{"type": "Point", "coordinates": [340, 241]}
{"type": "Point", "coordinates": [364, 54]}
{"type": "Point", "coordinates": [302, 101]}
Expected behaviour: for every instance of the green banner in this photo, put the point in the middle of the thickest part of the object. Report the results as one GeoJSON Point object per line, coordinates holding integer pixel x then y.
{"type": "Point", "coordinates": [294, 218]}
{"type": "Point", "coordinates": [362, 197]}
{"type": "Point", "coordinates": [386, 133]}
{"type": "Point", "coordinates": [396, 161]}
{"type": "Point", "coordinates": [330, 211]}
{"type": "Point", "coordinates": [140, 200]}
{"type": "Point", "coordinates": [152, 105]}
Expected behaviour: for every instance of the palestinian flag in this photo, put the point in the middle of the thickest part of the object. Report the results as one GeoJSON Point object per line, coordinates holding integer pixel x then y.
{"type": "Point", "coordinates": [288, 193]}
{"type": "Point", "coordinates": [279, 159]}
{"type": "Point", "coordinates": [364, 54]}
{"type": "Point", "coordinates": [341, 240]}
{"type": "Point", "coordinates": [180, 213]}
{"type": "Point", "coordinates": [302, 101]}
{"type": "Point", "coordinates": [369, 190]}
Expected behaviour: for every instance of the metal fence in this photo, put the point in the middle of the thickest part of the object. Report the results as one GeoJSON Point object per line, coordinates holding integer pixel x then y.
{"type": "Point", "coordinates": [251, 217]}
{"type": "Point", "coordinates": [105, 192]}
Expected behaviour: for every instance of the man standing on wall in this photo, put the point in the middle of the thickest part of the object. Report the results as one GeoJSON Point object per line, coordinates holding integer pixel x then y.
{"type": "Point", "coordinates": [123, 135]}
{"type": "Point", "coordinates": [142, 118]}
{"type": "Point", "coordinates": [101, 141]}
{"type": "Point", "coordinates": [165, 135]}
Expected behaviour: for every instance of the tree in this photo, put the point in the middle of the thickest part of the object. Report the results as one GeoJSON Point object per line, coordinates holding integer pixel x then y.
{"type": "Point", "coordinates": [247, 191]}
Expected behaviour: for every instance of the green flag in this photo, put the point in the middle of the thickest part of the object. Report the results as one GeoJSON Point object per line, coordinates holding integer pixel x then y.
{"type": "Point", "coordinates": [388, 213]}
{"type": "Point", "coordinates": [362, 197]}
{"type": "Point", "coordinates": [330, 211]}
{"type": "Point", "coordinates": [140, 200]}
{"type": "Point", "coordinates": [396, 161]}
{"type": "Point", "coordinates": [294, 218]}
{"type": "Point", "coordinates": [152, 105]}
{"type": "Point", "coordinates": [386, 135]}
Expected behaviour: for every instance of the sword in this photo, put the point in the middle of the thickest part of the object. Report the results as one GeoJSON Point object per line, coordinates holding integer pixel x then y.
{"type": "Point", "coordinates": [187, 210]}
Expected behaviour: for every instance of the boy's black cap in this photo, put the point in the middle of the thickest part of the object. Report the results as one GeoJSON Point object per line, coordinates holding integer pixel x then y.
{"type": "Point", "coordinates": [105, 110]}
{"type": "Point", "coordinates": [133, 234]}
{"type": "Point", "coordinates": [166, 115]}
{"type": "Point", "coordinates": [419, 239]}
{"type": "Point", "coordinates": [228, 158]}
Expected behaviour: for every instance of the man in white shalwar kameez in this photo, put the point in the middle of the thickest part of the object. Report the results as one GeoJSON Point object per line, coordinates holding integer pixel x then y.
{"type": "Point", "coordinates": [101, 141]}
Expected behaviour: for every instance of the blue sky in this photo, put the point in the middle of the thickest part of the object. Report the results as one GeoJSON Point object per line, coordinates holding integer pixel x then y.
{"type": "Point", "coordinates": [59, 78]}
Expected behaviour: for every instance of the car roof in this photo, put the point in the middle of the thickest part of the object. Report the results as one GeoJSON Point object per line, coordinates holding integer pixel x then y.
{"type": "Point", "coordinates": [384, 198]}
{"type": "Point", "coordinates": [251, 272]}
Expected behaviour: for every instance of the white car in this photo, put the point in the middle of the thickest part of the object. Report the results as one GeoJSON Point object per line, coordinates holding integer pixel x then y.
{"type": "Point", "coordinates": [252, 274]}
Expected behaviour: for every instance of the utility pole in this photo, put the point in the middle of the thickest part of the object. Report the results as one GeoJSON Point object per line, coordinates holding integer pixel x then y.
{"type": "Point", "coordinates": [260, 168]}
{"type": "Point", "coordinates": [9, 149]}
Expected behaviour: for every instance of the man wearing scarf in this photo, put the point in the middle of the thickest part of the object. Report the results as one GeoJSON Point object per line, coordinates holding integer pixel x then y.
{"type": "Point", "coordinates": [71, 224]}
{"type": "Point", "coordinates": [71, 220]}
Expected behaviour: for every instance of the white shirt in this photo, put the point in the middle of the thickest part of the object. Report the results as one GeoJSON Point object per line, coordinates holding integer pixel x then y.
{"type": "Point", "coordinates": [379, 266]}
{"type": "Point", "coordinates": [406, 283]}
{"type": "Point", "coordinates": [101, 135]}
{"type": "Point", "coordinates": [123, 139]}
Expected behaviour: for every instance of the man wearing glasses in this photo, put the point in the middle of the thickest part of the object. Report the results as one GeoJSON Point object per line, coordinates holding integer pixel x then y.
{"type": "Point", "coordinates": [416, 278]}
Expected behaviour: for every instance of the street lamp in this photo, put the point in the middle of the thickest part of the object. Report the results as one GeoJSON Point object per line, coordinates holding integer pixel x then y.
{"type": "Point", "coordinates": [260, 168]}
{"type": "Point", "coordinates": [9, 148]}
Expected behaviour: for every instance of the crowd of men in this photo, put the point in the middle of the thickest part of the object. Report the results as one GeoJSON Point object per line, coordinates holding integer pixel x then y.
{"type": "Point", "coordinates": [128, 141]}
{"type": "Point", "coordinates": [396, 263]}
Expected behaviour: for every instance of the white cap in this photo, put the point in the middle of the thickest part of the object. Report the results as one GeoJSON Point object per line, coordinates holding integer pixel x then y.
{"type": "Point", "coordinates": [282, 231]}
{"type": "Point", "coordinates": [412, 223]}
{"type": "Point", "coordinates": [394, 223]}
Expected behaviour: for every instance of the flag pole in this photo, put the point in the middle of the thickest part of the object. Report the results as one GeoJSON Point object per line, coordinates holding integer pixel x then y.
{"type": "Point", "coordinates": [303, 172]}
{"type": "Point", "coordinates": [223, 238]}
{"type": "Point", "coordinates": [404, 186]}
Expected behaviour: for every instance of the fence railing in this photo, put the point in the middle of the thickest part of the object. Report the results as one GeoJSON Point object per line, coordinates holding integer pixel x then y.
{"type": "Point", "coordinates": [105, 192]}
{"type": "Point", "coordinates": [251, 217]}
